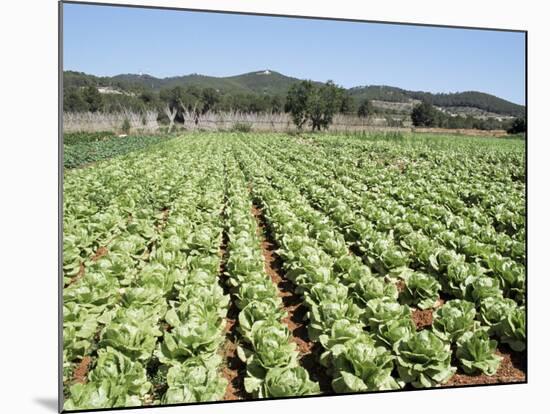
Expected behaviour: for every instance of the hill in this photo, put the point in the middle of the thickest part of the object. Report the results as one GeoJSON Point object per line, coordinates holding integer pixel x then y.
{"type": "Point", "coordinates": [261, 82]}
{"type": "Point", "coordinates": [272, 83]}
{"type": "Point", "coordinates": [468, 99]}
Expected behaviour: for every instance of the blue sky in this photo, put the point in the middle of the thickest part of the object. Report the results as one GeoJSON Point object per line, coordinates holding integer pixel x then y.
{"type": "Point", "coordinates": [105, 41]}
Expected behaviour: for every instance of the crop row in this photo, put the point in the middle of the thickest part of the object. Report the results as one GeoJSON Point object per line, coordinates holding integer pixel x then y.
{"type": "Point", "coordinates": [368, 232]}
{"type": "Point", "coordinates": [155, 298]}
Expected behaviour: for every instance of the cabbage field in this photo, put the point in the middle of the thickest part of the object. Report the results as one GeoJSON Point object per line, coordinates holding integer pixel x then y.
{"type": "Point", "coordinates": [228, 266]}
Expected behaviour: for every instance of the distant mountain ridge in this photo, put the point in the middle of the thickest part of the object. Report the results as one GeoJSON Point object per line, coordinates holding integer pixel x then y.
{"type": "Point", "coordinates": [274, 83]}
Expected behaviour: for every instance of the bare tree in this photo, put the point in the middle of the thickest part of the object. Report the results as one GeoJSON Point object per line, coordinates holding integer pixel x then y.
{"type": "Point", "coordinates": [171, 114]}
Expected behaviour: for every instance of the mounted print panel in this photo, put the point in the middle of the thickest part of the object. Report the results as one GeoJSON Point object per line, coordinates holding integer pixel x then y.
{"type": "Point", "coordinates": [260, 207]}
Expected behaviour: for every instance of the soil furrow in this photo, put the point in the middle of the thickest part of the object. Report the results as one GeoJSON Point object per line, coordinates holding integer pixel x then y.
{"type": "Point", "coordinates": [233, 370]}
{"type": "Point", "coordinates": [80, 374]}
{"type": "Point", "coordinates": [292, 304]}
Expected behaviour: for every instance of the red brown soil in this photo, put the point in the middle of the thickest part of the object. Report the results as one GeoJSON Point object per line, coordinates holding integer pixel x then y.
{"type": "Point", "coordinates": [292, 305]}
{"type": "Point", "coordinates": [81, 371]}
{"type": "Point", "coordinates": [422, 318]}
{"type": "Point", "coordinates": [512, 369]}
{"type": "Point", "coordinates": [233, 370]}
{"type": "Point", "coordinates": [102, 251]}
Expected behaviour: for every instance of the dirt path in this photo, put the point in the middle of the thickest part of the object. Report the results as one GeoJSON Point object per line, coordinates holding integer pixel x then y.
{"type": "Point", "coordinates": [233, 369]}
{"type": "Point", "coordinates": [292, 305]}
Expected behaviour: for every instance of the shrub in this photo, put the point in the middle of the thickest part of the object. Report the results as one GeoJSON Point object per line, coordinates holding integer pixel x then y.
{"type": "Point", "coordinates": [126, 126]}
{"type": "Point", "coordinates": [241, 127]}
{"type": "Point", "coordinates": [518, 126]}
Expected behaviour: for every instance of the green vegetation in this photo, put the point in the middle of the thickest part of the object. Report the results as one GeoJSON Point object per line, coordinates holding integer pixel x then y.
{"type": "Point", "coordinates": [474, 99]}
{"type": "Point", "coordinates": [242, 127]}
{"type": "Point", "coordinates": [370, 230]}
{"type": "Point", "coordinates": [365, 109]}
{"type": "Point", "coordinates": [125, 128]}
{"type": "Point", "coordinates": [426, 115]}
{"type": "Point", "coordinates": [519, 126]}
{"type": "Point", "coordinates": [268, 92]}
{"type": "Point", "coordinates": [85, 137]}
{"type": "Point", "coordinates": [85, 148]}
{"type": "Point", "coordinates": [314, 104]}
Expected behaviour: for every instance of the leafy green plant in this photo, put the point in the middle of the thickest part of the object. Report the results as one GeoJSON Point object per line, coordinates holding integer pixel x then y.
{"type": "Point", "coordinates": [421, 290]}
{"type": "Point", "coordinates": [93, 396]}
{"type": "Point", "coordinates": [476, 353]}
{"type": "Point", "coordinates": [341, 331]}
{"type": "Point", "coordinates": [195, 331]}
{"type": "Point", "coordinates": [453, 319]}
{"type": "Point", "coordinates": [80, 153]}
{"type": "Point", "coordinates": [195, 380]}
{"type": "Point", "coordinates": [493, 311]}
{"type": "Point", "coordinates": [485, 287]}
{"type": "Point", "coordinates": [513, 329]}
{"type": "Point", "coordinates": [323, 316]}
{"type": "Point", "coordinates": [271, 348]}
{"type": "Point", "coordinates": [134, 338]}
{"type": "Point", "coordinates": [288, 381]}
{"type": "Point", "coordinates": [117, 367]}
{"type": "Point", "coordinates": [388, 320]}
{"type": "Point", "coordinates": [424, 360]}
{"type": "Point", "coordinates": [360, 365]}
{"type": "Point", "coordinates": [268, 309]}
{"type": "Point", "coordinates": [370, 287]}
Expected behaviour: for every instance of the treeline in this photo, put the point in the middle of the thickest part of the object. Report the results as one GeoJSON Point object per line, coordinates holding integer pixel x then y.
{"type": "Point", "coordinates": [88, 98]}
{"type": "Point", "coordinates": [308, 102]}
{"type": "Point", "coordinates": [479, 100]}
{"type": "Point", "coordinates": [426, 115]}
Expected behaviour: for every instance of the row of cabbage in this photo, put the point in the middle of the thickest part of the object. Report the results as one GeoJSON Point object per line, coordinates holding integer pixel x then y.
{"type": "Point", "coordinates": [471, 227]}
{"type": "Point", "coordinates": [500, 317]}
{"type": "Point", "coordinates": [152, 304]}
{"type": "Point", "coordinates": [151, 312]}
{"type": "Point", "coordinates": [398, 247]}
{"type": "Point", "coordinates": [429, 193]}
{"type": "Point", "coordinates": [400, 236]}
{"type": "Point", "coordinates": [271, 358]}
{"type": "Point", "coordinates": [469, 179]}
{"type": "Point", "coordinates": [350, 310]}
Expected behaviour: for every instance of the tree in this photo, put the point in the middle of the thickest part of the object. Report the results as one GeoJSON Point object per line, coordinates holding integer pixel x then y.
{"type": "Point", "coordinates": [73, 101]}
{"type": "Point", "coordinates": [276, 104]}
{"type": "Point", "coordinates": [518, 126]}
{"type": "Point", "coordinates": [347, 105]}
{"type": "Point", "coordinates": [365, 109]}
{"type": "Point", "coordinates": [93, 98]}
{"type": "Point", "coordinates": [148, 97]}
{"type": "Point", "coordinates": [424, 114]}
{"type": "Point", "coordinates": [297, 102]}
{"type": "Point", "coordinates": [323, 103]}
{"type": "Point", "coordinates": [209, 98]}
{"type": "Point", "coordinates": [314, 103]}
